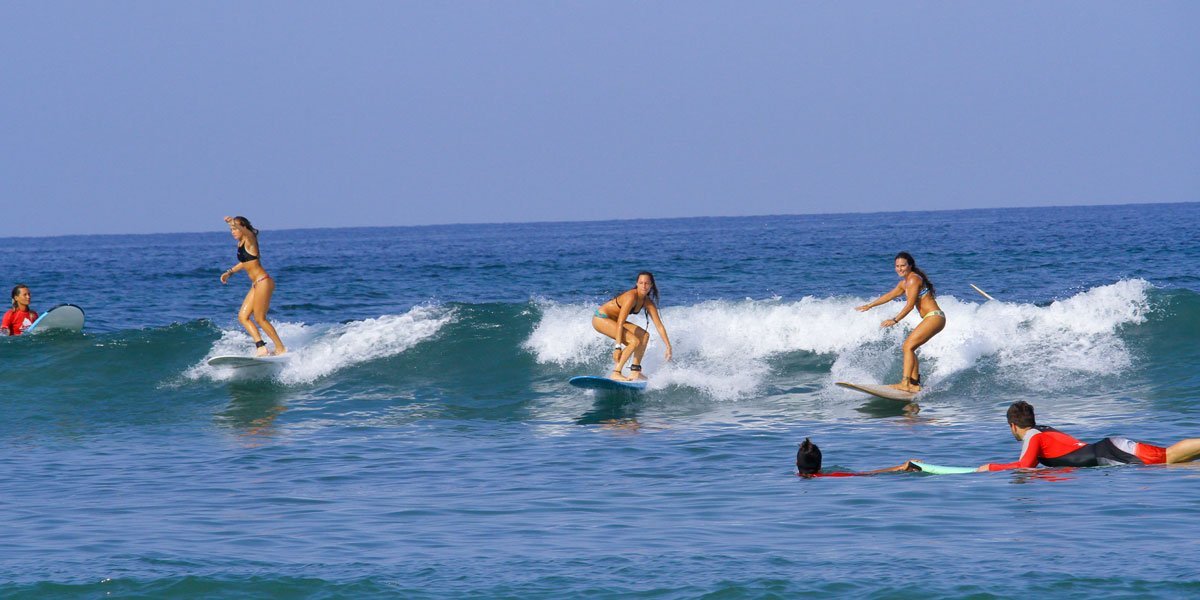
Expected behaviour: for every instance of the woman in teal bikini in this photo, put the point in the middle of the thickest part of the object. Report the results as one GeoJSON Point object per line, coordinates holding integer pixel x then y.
{"type": "Point", "coordinates": [918, 292]}
{"type": "Point", "coordinates": [611, 319]}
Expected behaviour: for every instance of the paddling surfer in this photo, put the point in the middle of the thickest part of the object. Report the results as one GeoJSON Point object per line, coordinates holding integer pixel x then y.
{"type": "Point", "coordinates": [808, 464]}
{"type": "Point", "coordinates": [1054, 448]}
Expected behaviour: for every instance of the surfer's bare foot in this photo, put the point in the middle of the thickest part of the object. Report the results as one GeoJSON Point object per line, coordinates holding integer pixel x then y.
{"type": "Point", "coordinates": [261, 351]}
{"type": "Point", "coordinates": [279, 351]}
{"type": "Point", "coordinates": [617, 376]}
{"type": "Point", "coordinates": [904, 387]}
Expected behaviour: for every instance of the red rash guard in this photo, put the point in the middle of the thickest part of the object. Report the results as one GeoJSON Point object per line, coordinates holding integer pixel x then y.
{"type": "Point", "coordinates": [15, 321]}
{"type": "Point", "coordinates": [1054, 448]}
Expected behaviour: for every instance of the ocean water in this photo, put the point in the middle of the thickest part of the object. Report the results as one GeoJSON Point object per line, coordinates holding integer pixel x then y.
{"type": "Point", "coordinates": [423, 441]}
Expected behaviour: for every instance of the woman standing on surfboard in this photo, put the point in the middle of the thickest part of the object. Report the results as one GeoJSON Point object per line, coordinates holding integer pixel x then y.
{"type": "Point", "coordinates": [258, 299]}
{"type": "Point", "coordinates": [918, 291]}
{"type": "Point", "coordinates": [20, 315]}
{"type": "Point", "coordinates": [611, 319]}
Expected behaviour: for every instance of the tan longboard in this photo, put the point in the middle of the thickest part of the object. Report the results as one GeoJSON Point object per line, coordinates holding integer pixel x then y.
{"type": "Point", "coordinates": [880, 391]}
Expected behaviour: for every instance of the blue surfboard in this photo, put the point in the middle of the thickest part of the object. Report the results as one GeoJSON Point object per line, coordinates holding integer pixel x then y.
{"type": "Point", "coordinates": [591, 382]}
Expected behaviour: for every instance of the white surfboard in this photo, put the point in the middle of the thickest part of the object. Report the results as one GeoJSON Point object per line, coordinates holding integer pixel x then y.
{"type": "Point", "coordinates": [242, 362]}
{"type": "Point", "coordinates": [64, 317]}
{"type": "Point", "coordinates": [981, 292]}
{"type": "Point", "coordinates": [941, 469]}
{"type": "Point", "coordinates": [879, 391]}
{"type": "Point", "coordinates": [591, 382]}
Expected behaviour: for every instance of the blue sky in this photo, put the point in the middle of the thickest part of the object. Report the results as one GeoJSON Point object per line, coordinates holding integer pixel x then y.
{"type": "Point", "coordinates": [127, 117]}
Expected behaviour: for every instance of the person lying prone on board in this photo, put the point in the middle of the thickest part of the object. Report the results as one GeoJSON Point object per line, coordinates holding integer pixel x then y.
{"type": "Point", "coordinates": [1053, 448]}
{"type": "Point", "coordinates": [808, 464]}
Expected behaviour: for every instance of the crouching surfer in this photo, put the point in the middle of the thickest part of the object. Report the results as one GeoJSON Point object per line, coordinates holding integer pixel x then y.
{"type": "Point", "coordinates": [611, 319]}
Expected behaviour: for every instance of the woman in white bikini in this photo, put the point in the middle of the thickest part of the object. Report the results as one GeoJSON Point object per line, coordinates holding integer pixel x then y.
{"type": "Point", "coordinates": [918, 292]}
{"type": "Point", "coordinates": [258, 299]}
{"type": "Point", "coordinates": [611, 319]}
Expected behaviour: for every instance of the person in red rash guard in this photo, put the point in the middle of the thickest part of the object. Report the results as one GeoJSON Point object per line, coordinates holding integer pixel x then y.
{"type": "Point", "coordinates": [20, 315]}
{"type": "Point", "coordinates": [1053, 448]}
{"type": "Point", "coordinates": [808, 464]}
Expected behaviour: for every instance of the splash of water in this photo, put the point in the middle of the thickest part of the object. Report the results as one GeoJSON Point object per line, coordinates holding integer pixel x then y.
{"type": "Point", "coordinates": [725, 348]}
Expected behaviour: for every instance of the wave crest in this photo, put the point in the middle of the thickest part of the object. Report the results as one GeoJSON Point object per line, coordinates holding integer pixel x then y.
{"type": "Point", "coordinates": [729, 349]}
{"type": "Point", "coordinates": [319, 350]}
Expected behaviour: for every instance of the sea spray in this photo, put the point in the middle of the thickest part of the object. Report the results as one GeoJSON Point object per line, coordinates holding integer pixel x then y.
{"type": "Point", "coordinates": [319, 350]}
{"type": "Point", "coordinates": [726, 348]}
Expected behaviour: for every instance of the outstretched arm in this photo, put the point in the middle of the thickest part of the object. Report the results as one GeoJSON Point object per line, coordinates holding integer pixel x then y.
{"type": "Point", "coordinates": [1031, 454]}
{"type": "Point", "coordinates": [658, 324]}
{"type": "Point", "coordinates": [907, 466]}
{"type": "Point", "coordinates": [884, 299]}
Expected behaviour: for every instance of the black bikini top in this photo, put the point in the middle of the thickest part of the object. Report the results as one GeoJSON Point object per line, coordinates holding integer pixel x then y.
{"type": "Point", "coordinates": [631, 311]}
{"type": "Point", "coordinates": [244, 256]}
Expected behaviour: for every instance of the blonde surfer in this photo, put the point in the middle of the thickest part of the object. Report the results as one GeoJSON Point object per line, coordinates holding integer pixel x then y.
{"type": "Point", "coordinates": [258, 299]}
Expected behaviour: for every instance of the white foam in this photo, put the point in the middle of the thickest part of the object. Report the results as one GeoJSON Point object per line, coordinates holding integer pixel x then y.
{"type": "Point", "coordinates": [318, 350]}
{"type": "Point", "coordinates": [724, 348]}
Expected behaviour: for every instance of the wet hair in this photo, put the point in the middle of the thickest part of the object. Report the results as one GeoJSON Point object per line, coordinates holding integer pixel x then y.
{"type": "Point", "coordinates": [653, 295]}
{"type": "Point", "coordinates": [1021, 414]}
{"type": "Point", "coordinates": [244, 222]}
{"type": "Point", "coordinates": [15, 291]}
{"type": "Point", "coordinates": [912, 264]}
{"type": "Point", "coordinates": [808, 458]}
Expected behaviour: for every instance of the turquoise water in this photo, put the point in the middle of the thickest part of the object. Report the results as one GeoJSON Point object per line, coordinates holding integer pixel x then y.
{"type": "Point", "coordinates": [423, 441]}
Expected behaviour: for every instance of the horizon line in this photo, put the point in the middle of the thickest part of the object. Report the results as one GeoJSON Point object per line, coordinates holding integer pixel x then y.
{"type": "Point", "coordinates": [568, 221]}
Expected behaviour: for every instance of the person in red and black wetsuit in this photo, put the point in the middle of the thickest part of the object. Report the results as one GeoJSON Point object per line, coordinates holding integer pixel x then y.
{"type": "Point", "coordinates": [808, 464]}
{"type": "Point", "coordinates": [20, 315]}
{"type": "Point", "coordinates": [1053, 448]}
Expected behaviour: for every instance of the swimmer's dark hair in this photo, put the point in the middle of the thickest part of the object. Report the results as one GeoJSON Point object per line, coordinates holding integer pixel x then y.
{"type": "Point", "coordinates": [1021, 414]}
{"type": "Point", "coordinates": [808, 458]}
{"type": "Point", "coordinates": [244, 222]}
{"type": "Point", "coordinates": [912, 263]}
